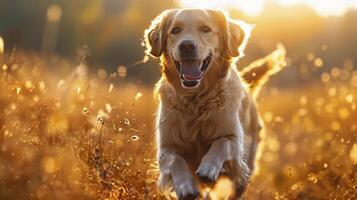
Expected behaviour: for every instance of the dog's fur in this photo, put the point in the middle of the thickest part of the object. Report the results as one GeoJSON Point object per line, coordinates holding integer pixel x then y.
{"type": "Point", "coordinates": [203, 129]}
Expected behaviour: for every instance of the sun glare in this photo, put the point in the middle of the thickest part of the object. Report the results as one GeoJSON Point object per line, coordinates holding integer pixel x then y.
{"type": "Point", "coordinates": [253, 8]}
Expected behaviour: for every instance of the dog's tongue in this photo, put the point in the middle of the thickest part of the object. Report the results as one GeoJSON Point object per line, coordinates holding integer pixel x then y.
{"type": "Point", "coordinates": [191, 69]}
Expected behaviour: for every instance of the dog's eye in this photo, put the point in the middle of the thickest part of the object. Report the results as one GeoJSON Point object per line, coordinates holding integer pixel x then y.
{"type": "Point", "coordinates": [205, 29]}
{"type": "Point", "coordinates": [175, 30]}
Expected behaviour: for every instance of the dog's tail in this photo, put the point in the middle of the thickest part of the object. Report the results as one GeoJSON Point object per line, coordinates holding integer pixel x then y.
{"type": "Point", "coordinates": [258, 72]}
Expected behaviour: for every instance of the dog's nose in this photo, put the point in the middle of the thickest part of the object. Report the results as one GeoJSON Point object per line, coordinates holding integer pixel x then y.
{"type": "Point", "coordinates": [188, 48]}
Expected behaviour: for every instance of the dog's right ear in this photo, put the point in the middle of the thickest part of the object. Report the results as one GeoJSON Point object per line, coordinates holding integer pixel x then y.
{"type": "Point", "coordinates": [156, 35]}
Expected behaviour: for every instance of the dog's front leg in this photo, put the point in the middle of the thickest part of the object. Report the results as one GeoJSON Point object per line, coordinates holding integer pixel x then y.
{"type": "Point", "coordinates": [229, 151]}
{"type": "Point", "coordinates": [212, 162]}
{"type": "Point", "coordinates": [173, 165]}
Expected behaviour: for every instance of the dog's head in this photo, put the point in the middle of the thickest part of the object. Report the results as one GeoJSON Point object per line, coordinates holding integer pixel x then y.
{"type": "Point", "coordinates": [192, 41]}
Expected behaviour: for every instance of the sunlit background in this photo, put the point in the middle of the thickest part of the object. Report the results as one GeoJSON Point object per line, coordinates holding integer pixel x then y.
{"type": "Point", "coordinates": [77, 107]}
{"type": "Point", "coordinates": [323, 8]}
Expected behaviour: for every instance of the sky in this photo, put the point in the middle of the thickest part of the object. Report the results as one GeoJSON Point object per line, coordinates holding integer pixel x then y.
{"type": "Point", "coordinates": [254, 7]}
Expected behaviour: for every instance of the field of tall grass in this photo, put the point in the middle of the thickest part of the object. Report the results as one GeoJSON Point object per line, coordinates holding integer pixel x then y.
{"type": "Point", "coordinates": [69, 133]}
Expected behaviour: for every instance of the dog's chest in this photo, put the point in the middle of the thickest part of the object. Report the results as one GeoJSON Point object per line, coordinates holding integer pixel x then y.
{"type": "Point", "coordinates": [203, 130]}
{"type": "Point", "coordinates": [193, 138]}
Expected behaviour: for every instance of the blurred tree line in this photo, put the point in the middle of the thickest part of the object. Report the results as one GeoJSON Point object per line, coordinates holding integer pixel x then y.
{"type": "Point", "coordinates": [113, 31]}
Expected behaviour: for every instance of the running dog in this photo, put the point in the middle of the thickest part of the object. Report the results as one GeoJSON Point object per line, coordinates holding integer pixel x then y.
{"type": "Point", "coordinates": [207, 118]}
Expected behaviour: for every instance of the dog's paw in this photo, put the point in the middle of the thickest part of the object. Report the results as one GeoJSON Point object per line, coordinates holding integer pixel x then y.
{"type": "Point", "coordinates": [208, 172]}
{"type": "Point", "coordinates": [187, 191]}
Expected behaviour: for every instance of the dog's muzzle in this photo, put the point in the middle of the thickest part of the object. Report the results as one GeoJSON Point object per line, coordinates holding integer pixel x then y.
{"type": "Point", "coordinates": [191, 71]}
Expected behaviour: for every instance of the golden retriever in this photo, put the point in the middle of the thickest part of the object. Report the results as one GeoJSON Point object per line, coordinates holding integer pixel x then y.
{"type": "Point", "coordinates": [206, 111]}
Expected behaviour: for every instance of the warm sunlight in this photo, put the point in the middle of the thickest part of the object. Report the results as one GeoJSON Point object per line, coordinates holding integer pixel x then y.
{"type": "Point", "coordinates": [253, 8]}
{"type": "Point", "coordinates": [166, 100]}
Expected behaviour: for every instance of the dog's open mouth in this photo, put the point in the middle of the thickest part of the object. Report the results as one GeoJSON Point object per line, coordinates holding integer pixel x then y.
{"type": "Point", "coordinates": [191, 71]}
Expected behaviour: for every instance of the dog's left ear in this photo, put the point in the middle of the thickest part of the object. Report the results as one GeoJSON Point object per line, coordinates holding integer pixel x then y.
{"type": "Point", "coordinates": [235, 33]}
{"type": "Point", "coordinates": [238, 36]}
{"type": "Point", "coordinates": [156, 35]}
